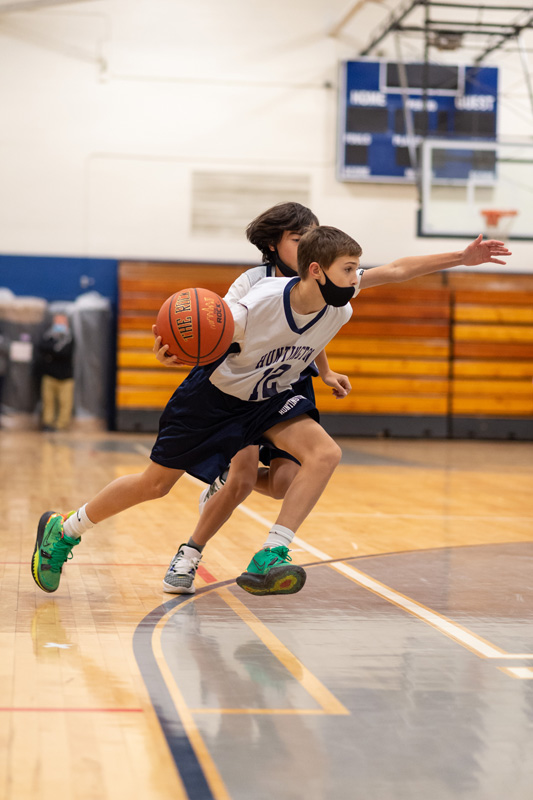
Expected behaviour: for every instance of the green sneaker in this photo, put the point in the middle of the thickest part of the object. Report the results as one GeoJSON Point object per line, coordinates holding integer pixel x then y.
{"type": "Point", "coordinates": [270, 573]}
{"type": "Point", "coordinates": [52, 549]}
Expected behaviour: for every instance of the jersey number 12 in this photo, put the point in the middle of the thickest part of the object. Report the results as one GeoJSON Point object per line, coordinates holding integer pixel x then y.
{"type": "Point", "coordinates": [266, 385]}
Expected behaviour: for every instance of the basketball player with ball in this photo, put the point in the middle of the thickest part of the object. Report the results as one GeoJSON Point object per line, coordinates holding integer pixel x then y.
{"type": "Point", "coordinates": [280, 326]}
{"type": "Point", "coordinates": [276, 233]}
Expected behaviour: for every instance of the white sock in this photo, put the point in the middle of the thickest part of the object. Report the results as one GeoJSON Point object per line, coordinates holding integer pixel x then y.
{"type": "Point", "coordinates": [77, 523]}
{"type": "Point", "coordinates": [279, 535]}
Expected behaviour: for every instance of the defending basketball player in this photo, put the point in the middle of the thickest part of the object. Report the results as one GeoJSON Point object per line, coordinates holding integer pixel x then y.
{"type": "Point", "coordinates": [280, 326]}
{"type": "Point", "coordinates": [276, 233]}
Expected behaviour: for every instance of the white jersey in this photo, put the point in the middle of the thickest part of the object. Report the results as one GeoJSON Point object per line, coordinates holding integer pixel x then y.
{"type": "Point", "coordinates": [276, 343]}
{"type": "Point", "coordinates": [244, 282]}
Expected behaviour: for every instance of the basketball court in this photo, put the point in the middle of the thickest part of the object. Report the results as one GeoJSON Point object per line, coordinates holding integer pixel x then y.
{"type": "Point", "coordinates": [403, 668]}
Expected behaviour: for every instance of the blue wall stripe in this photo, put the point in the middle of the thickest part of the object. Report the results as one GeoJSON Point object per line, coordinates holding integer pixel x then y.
{"type": "Point", "coordinates": [59, 278]}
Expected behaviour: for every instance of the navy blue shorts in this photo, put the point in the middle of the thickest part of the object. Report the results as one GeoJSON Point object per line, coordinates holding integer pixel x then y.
{"type": "Point", "coordinates": [202, 428]}
{"type": "Point", "coordinates": [267, 451]}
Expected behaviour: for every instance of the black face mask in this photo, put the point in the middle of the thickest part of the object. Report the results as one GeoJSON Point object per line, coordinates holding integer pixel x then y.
{"type": "Point", "coordinates": [284, 268]}
{"type": "Point", "coordinates": [335, 295]}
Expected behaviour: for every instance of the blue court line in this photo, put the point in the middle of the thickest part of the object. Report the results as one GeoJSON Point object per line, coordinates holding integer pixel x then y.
{"type": "Point", "coordinates": [187, 764]}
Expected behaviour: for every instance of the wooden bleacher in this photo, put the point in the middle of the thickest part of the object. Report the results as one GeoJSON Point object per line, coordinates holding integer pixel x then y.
{"type": "Point", "coordinates": [395, 351]}
{"type": "Point", "coordinates": [445, 355]}
{"type": "Point", "coordinates": [492, 356]}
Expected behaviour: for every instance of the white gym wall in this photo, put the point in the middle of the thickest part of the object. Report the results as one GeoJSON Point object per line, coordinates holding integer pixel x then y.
{"type": "Point", "coordinates": [156, 129]}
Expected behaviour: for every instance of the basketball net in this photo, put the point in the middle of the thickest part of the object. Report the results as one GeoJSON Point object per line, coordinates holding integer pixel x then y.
{"type": "Point", "coordinates": [498, 222]}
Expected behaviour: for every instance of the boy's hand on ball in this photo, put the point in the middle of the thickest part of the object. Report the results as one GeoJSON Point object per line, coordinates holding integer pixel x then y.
{"type": "Point", "coordinates": [197, 324]}
{"type": "Point", "coordinates": [160, 351]}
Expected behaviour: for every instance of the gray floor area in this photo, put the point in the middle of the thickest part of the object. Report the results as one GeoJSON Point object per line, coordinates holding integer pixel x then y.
{"type": "Point", "coordinates": [425, 717]}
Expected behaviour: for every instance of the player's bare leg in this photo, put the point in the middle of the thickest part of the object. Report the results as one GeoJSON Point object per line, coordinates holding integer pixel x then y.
{"type": "Point", "coordinates": [239, 484]}
{"type": "Point", "coordinates": [58, 533]}
{"type": "Point", "coordinates": [319, 456]}
{"type": "Point", "coordinates": [130, 490]}
{"type": "Point", "coordinates": [180, 575]}
{"type": "Point", "coordinates": [270, 570]}
{"type": "Point", "coordinates": [275, 480]}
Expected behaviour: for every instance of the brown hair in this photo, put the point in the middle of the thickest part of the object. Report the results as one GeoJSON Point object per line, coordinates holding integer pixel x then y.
{"type": "Point", "coordinates": [324, 244]}
{"type": "Point", "coordinates": [268, 228]}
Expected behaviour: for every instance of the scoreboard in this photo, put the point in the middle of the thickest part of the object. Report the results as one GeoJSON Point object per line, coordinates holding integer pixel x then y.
{"type": "Point", "coordinates": [376, 140]}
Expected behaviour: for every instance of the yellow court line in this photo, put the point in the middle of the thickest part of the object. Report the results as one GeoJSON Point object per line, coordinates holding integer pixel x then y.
{"type": "Point", "coordinates": [471, 641]}
{"type": "Point", "coordinates": [476, 644]}
{"type": "Point", "coordinates": [525, 673]}
{"type": "Point", "coordinates": [325, 699]}
{"type": "Point", "coordinates": [203, 755]}
{"type": "Point", "coordinates": [528, 656]}
{"type": "Point", "coordinates": [327, 702]}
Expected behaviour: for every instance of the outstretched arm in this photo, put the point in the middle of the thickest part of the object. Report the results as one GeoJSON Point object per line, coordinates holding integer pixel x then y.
{"type": "Point", "coordinates": [404, 269]}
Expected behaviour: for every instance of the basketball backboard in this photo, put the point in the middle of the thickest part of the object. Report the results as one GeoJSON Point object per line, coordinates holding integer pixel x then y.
{"type": "Point", "coordinates": [470, 187]}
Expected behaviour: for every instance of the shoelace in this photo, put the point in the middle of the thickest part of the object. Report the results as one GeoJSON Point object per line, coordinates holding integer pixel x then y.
{"type": "Point", "coordinates": [217, 485]}
{"type": "Point", "coordinates": [211, 491]}
{"type": "Point", "coordinates": [186, 563]}
{"type": "Point", "coordinates": [282, 552]}
{"type": "Point", "coordinates": [61, 552]}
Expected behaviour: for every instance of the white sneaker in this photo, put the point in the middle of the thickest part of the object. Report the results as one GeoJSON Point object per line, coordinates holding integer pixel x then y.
{"type": "Point", "coordinates": [215, 487]}
{"type": "Point", "coordinates": [182, 571]}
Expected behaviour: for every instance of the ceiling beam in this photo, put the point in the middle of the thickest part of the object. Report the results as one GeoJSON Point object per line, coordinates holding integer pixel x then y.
{"type": "Point", "coordinates": [465, 30]}
{"type": "Point", "coordinates": [528, 23]}
{"type": "Point", "coordinates": [391, 24]}
{"type": "Point", "coordinates": [507, 31]}
{"type": "Point", "coordinates": [478, 7]}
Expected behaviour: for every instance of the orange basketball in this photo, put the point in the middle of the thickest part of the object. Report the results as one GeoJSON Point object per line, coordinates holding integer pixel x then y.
{"type": "Point", "coordinates": [196, 324]}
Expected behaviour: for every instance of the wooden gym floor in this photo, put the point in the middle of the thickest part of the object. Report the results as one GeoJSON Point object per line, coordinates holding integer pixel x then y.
{"type": "Point", "coordinates": [403, 670]}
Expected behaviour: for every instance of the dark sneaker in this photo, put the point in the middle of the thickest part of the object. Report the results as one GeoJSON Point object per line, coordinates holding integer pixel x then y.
{"type": "Point", "coordinates": [270, 573]}
{"type": "Point", "coordinates": [215, 487]}
{"type": "Point", "coordinates": [182, 571]}
{"type": "Point", "coordinates": [52, 549]}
